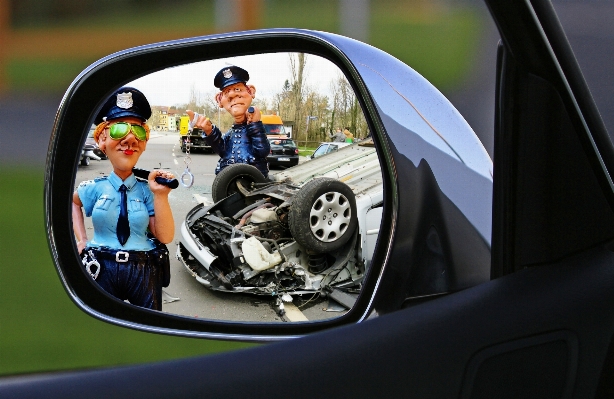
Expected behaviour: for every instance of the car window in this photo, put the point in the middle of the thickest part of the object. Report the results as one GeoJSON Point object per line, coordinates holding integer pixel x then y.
{"type": "Point", "coordinates": [274, 129]}
{"type": "Point", "coordinates": [282, 142]}
{"type": "Point", "coordinates": [321, 150]}
{"type": "Point", "coordinates": [590, 31]}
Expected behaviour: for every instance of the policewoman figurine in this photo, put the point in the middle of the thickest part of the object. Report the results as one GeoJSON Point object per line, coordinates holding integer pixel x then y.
{"type": "Point", "coordinates": [246, 141]}
{"type": "Point", "coordinates": [132, 218]}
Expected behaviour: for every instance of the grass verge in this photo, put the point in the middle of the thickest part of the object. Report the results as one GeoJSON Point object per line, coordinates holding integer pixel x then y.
{"type": "Point", "coordinates": [438, 42]}
{"type": "Point", "coordinates": [40, 328]}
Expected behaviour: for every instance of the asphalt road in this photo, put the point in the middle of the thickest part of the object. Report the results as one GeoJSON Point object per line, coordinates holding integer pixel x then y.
{"type": "Point", "coordinates": [185, 296]}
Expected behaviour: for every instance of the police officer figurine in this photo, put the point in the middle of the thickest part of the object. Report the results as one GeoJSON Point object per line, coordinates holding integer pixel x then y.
{"type": "Point", "coordinates": [132, 218]}
{"type": "Point", "coordinates": [246, 141]}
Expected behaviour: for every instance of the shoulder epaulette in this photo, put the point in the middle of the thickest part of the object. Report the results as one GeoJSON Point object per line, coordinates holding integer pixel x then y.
{"type": "Point", "coordinates": [88, 182]}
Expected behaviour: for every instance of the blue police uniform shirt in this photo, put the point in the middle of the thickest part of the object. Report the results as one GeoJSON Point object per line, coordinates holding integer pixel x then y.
{"type": "Point", "coordinates": [101, 200]}
{"type": "Point", "coordinates": [243, 143]}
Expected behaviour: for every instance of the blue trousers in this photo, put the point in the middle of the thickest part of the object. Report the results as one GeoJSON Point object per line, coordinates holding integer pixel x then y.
{"type": "Point", "coordinates": [137, 280]}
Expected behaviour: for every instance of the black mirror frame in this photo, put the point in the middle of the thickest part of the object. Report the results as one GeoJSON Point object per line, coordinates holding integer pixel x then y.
{"type": "Point", "coordinates": [75, 114]}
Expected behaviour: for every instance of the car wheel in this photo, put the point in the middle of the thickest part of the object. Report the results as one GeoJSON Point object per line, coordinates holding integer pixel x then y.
{"type": "Point", "coordinates": [183, 148]}
{"type": "Point", "coordinates": [225, 183]}
{"type": "Point", "coordinates": [85, 161]}
{"type": "Point", "coordinates": [323, 215]}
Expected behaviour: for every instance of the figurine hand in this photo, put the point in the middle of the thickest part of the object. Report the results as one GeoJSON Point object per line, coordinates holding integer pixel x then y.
{"type": "Point", "coordinates": [202, 122]}
{"type": "Point", "coordinates": [252, 116]}
{"type": "Point", "coordinates": [156, 187]}
{"type": "Point", "coordinates": [81, 245]}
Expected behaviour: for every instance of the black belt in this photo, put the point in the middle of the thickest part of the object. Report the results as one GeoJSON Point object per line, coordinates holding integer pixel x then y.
{"type": "Point", "coordinates": [125, 256]}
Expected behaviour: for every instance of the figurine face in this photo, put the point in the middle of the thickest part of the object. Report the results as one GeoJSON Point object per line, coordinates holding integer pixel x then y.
{"type": "Point", "coordinates": [236, 99]}
{"type": "Point", "coordinates": [123, 153]}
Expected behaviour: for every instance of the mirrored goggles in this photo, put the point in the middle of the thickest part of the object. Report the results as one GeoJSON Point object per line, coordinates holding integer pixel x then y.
{"type": "Point", "coordinates": [119, 130]}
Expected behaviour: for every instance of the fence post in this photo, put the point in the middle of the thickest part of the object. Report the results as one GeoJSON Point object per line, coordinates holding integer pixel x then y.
{"type": "Point", "coordinates": [249, 14]}
{"type": "Point", "coordinates": [5, 35]}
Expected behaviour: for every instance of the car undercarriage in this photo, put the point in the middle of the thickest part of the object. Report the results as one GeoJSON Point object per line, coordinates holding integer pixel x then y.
{"type": "Point", "coordinates": [291, 235]}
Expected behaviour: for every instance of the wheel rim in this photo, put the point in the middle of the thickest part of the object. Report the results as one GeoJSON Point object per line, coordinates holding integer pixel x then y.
{"type": "Point", "coordinates": [330, 216]}
{"type": "Point", "coordinates": [233, 188]}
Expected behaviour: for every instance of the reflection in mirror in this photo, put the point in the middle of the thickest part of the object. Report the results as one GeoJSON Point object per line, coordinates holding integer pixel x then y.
{"type": "Point", "coordinates": [293, 246]}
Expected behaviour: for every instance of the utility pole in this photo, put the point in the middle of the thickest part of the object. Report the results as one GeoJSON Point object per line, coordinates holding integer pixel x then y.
{"type": "Point", "coordinates": [238, 15]}
{"type": "Point", "coordinates": [354, 19]}
{"type": "Point", "coordinates": [309, 118]}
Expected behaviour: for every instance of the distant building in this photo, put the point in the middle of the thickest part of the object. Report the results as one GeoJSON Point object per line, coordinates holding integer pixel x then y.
{"type": "Point", "coordinates": [163, 119]}
{"type": "Point", "coordinates": [171, 120]}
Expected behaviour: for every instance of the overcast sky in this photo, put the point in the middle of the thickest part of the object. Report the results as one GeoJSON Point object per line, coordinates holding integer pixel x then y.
{"type": "Point", "coordinates": [268, 72]}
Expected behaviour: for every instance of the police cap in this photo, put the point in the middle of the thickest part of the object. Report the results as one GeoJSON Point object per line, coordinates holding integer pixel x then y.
{"type": "Point", "coordinates": [126, 101]}
{"type": "Point", "coordinates": [230, 75]}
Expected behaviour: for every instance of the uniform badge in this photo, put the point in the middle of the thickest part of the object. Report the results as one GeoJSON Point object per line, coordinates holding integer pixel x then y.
{"type": "Point", "coordinates": [85, 183]}
{"type": "Point", "coordinates": [227, 73]}
{"type": "Point", "coordinates": [124, 100]}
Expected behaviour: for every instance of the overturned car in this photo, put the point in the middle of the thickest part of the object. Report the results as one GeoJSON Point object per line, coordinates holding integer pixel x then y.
{"type": "Point", "coordinates": [309, 229]}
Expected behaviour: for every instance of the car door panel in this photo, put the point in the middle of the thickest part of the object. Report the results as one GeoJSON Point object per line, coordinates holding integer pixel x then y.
{"type": "Point", "coordinates": [479, 341]}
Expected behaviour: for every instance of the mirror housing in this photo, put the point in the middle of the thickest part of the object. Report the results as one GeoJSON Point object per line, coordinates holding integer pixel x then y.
{"type": "Point", "coordinates": [437, 180]}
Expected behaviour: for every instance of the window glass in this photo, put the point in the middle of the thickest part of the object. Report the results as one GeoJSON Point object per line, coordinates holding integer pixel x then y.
{"type": "Point", "coordinates": [323, 149]}
{"type": "Point", "coordinates": [589, 27]}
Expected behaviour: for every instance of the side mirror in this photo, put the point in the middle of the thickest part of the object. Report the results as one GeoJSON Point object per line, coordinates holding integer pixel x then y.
{"type": "Point", "coordinates": [419, 192]}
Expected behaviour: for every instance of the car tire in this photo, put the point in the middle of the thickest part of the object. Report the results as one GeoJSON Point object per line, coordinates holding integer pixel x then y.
{"type": "Point", "coordinates": [85, 161]}
{"type": "Point", "coordinates": [323, 216]}
{"type": "Point", "coordinates": [225, 183]}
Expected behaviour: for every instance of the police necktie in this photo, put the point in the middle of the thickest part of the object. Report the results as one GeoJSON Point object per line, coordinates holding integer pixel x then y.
{"type": "Point", "coordinates": [123, 226]}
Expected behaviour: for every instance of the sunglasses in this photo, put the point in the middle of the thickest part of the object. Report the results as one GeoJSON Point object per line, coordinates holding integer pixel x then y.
{"type": "Point", "coordinates": [119, 130]}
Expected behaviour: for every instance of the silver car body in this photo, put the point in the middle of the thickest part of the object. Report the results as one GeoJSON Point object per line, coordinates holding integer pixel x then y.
{"type": "Point", "coordinates": [357, 166]}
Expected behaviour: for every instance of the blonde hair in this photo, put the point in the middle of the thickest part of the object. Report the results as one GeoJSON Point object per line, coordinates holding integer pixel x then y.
{"type": "Point", "coordinates": [103, 125]}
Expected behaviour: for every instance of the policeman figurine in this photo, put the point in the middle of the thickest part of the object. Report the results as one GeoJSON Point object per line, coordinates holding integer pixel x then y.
{"type": "Point", "coordinates": [246, 141]}
{"type": "Point", "coordinates": [132, 218]}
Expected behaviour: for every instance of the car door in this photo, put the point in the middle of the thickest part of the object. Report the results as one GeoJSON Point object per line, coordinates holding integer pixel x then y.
{"type": "Point", "coordinates": [542, 327]}
{"type": "Point", "coordinates": [321, 150]}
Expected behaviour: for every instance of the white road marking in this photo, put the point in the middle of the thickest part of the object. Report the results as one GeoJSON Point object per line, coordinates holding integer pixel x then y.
{"type": "Point", "coordinates": [175, 160]}
{"type": "Point", "coordinates": [293, 313]}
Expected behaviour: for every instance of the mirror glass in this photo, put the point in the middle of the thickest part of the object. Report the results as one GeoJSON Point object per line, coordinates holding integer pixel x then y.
{"type": "Point", "coordinates": [293, 247]}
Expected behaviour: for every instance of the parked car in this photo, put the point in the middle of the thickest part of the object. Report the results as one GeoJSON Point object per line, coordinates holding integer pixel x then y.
{"type": "Point", "coordinates": [543, 326]}
{"type": "Point", "coordinates": [87, 153]}
{"type": "Point", "coordinates": [327, 148]}
{"type": "Point", "coordinates": [90, 150]}
{"type": "Point", "coordinates": [195, 140]}
{"type": "Point", "coordinates": [284, 152]}
{"type": "Point", "coordinates": [91, 142]}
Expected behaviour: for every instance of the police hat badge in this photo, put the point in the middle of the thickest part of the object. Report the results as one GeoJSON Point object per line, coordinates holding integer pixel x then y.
{"type": "Point", "coordinates": [125, 101]}
{"type": "Point", "coordinates": [230, 75]}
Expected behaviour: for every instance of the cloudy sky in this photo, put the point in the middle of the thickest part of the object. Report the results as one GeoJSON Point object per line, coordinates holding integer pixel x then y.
{"type": "Point", "coordinates": [268, 72]}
